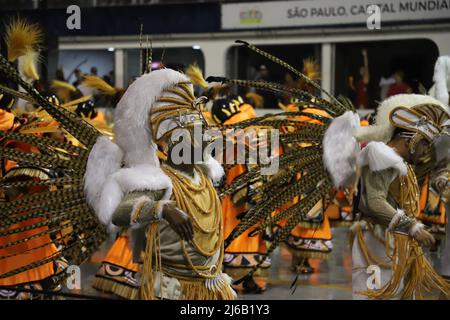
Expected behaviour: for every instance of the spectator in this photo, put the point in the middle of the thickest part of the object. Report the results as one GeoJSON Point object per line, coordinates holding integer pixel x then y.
{"type": "Point", "coordinates": [78, 77]}
{"type": "Point", "coordinates": [60, 74]}
{"type": "Point", "coordinates": [399, 86]}
{"type": "Point", "coordinates": [269, 100]}
{"type": "Point", "coordinates": [94, 71]}
{"type": "Point", "coordinates": [384, 84]}
{"type": "Point", "coordinates": [362, 96]}
{"type": "Point", "coordinates": [351, 89]}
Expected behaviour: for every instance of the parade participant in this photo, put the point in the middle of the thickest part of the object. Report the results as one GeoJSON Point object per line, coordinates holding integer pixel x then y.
{"type": "Point", "coordinates": [109, 95]}
{"type": "Point", "coordinates": [172, 210]}
{"type": "Point", "coordinates": [226, 109]}
{"type": "Point", "coordinates": [118, 272]}
{"type": "Point", "coordinates": [442, 186]}
{"type": "Point", "coordinates": [243, 252]}
{"type": "Point", "coordinates": [41, 182]}
{"type": "Point", "coordinates": [301, 176]}
{"type": "Point", "coordinates": [309, 239]}
{"type": "Point", "coordinates": [399, 86]}
{"type": "Point", "coordinates": [362, 95]}
{"type": "Point", "coordinates": [388, 237]}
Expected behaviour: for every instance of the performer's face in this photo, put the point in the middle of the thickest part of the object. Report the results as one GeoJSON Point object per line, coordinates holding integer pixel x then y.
{"type": "Point", "coordinates": [422, 150]}
{"type": "Point", "coordinates": [185, 135]}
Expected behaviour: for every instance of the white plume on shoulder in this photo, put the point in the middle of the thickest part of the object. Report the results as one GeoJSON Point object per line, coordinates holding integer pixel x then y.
{"type": "Point", "coordinates": [379, 156]}
{"type": "Point", "coordinates": [214, 169]}
{"type": "Point", "coordinates": [127, 180]}
{"type": "Point", "coordinates": [383, 130]}
{"type": "Point", "coordinates": [441, 80]}
{"type": "Point", "coordinates": [340, 149]}
{"type": "Point", "coordinates": [104, 159]}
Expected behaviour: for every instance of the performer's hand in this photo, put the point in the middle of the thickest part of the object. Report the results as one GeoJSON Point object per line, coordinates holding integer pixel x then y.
{"type": "Point", "coordinates": [424, 237]}
{"type": "Point", "coordinates": [179, 221]}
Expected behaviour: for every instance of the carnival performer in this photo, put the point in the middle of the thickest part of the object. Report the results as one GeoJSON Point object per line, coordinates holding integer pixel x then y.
{"type": "Point", "coordinates": [309, 239]}
{"type": "Point", "coordinates": [243, 252]}
{"type": "Point", "coordinates": [172, 210]}
{"type": "Point", "coordinates": [388, 237]}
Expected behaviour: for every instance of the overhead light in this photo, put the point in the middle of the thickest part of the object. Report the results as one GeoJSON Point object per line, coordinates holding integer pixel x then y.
{"type": "Point", "coordinates": [196, 47]}
{"type": "Point", "coordinates": [110, 49]}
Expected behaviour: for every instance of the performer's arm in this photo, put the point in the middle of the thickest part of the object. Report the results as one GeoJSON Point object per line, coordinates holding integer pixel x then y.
{"type": "Point", "coordinates": [138, 208]}
{"type": "Point", "coordinates": [376, 186]}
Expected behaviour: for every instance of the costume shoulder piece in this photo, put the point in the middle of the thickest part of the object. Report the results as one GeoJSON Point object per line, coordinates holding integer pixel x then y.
{"type": "Point", "coordinates": [379, 156]}
{"type": "Point", "coordinates": [340, 149]}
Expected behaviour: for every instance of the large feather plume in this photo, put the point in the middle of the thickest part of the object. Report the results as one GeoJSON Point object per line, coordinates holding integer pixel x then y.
{"type": "Point", "coordinates": [57, 84]}
{"type": "Point", "coordinates": [22, 37]}
{"type": "Point", "coordinates": [99, 84]}
{"type": "Point", "coordinates": [311, 69]}
{"type": "Point", "coordinates": [27, 65]}
{"type": "Point", "coordinates": [196, 75]}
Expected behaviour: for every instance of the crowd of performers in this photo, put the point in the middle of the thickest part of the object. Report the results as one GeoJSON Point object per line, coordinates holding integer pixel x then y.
{"type": "Point", "coordinates": [69, 178]}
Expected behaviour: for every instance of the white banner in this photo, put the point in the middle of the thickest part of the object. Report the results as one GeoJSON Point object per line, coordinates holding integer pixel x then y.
{"type": "Point", "coordinates": [279, 14]}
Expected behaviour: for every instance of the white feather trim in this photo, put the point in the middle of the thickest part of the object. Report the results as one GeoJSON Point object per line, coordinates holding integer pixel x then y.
{"type": "Point", "coordinates": [104, 160]}
{"type": "Point", "coordinates": [396, 219]}
{"type": "Point", "coordinates": [379, 156]}
{"type": "Point", "coordinates": [340, 149]}
{"type": "Point", "coordinates": [140, 178]}
{"type": "Point", "coordinates": [383, 130]}
{"type": "Point", "coordinates": [213, 169]}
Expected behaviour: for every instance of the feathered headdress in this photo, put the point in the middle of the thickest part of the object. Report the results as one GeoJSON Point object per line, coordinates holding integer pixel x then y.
{"type": "Point", "coordinates": [135, 146]}
{"type": "Point", "coordinates": [21, 38]}
{"type": "Point", "coordinates": [196, 75]}
{"type": "Point", "coordinates": [419, 114]}
{"type": "Point", "coordinates": [383, 129]}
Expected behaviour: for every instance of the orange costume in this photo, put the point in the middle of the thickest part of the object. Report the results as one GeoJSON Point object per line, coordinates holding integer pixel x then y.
{"type": "Point", "coordinates": [244, 251]}
{"type": "Point", "coordinates": [117, 273]}
{"type": "Point", "coordinates": [32, 245]}
{"type": "Point", "coordinates": [432, 208]}
{"type": "Point", "coordinates": [304, 240]}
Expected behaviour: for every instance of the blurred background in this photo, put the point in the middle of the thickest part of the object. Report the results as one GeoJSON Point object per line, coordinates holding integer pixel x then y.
{"type": "Point", "coordinates": [354, 61]}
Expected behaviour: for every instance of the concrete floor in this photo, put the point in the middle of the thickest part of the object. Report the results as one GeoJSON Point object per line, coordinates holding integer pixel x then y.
{"type": "Point", "coordinates": [331, 279]}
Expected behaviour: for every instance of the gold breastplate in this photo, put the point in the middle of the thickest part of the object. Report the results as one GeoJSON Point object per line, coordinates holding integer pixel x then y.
{"type": "Point", "coordinates": [202, 204]}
